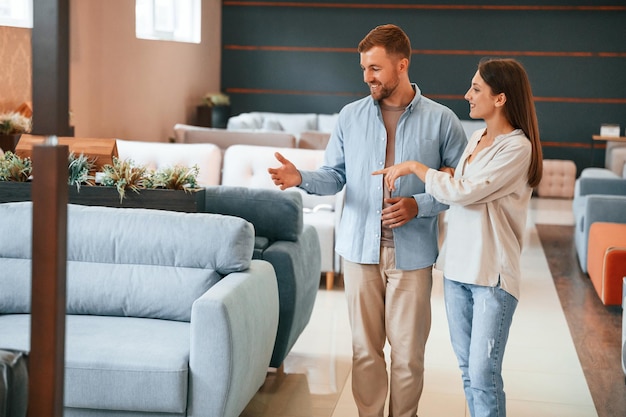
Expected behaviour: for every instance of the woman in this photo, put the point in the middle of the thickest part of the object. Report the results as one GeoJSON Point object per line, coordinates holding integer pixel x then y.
{"type": "Point", "coordinates": [488, 194]}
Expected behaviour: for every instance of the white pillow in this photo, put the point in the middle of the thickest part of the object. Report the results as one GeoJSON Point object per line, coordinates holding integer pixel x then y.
{"type": "Point", "coordinates": [271, 125]}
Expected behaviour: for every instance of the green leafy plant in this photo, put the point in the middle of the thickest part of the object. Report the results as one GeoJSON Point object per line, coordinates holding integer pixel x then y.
{"type": "Point", "coordinates": [79, 168]}
{"type": "Point", "coordinates": [216, 99]}
{"type": "Point", "coordinates": [14, 168]}
{"type": "Point", "coordinates": [125, 175]}
{"type": "Point", "coordinates": [175, 178]}
{"type": "Point", "coordinates": [12, 123]}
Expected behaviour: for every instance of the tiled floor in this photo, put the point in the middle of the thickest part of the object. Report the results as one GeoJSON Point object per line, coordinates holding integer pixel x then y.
{"type": "Point", "coordinates": [541, 370]}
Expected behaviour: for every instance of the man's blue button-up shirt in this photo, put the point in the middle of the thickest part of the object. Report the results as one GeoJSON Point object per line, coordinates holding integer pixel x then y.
{"type": "Point", "coordinates": [427, 132]}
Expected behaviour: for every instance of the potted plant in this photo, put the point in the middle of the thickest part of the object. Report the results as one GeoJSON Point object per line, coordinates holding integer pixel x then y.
{"type": "Point", "coordinates": [168, 188]}
{"type": "Point", "coordinates": [12, 125]}
{"type": "Point", "coordinates": [79, 170]}
{"type": "Point", "coordinates": [15, 169]}
{"type": "Point", "coordinates": [214, 111]}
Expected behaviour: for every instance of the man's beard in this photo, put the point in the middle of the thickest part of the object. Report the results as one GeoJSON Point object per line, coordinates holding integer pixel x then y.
{"type": "Point", "coordinates": [383, 91]}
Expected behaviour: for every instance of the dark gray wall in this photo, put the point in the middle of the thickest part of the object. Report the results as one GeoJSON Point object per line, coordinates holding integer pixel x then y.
{"type": "Point", "coordinates": [300, 56]}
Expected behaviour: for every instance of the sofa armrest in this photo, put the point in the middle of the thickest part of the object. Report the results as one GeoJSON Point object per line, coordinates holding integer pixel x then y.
{"type": "Point", "coordinates": [604, 208]}
{"type": "Point", "coordinates": [608, 186]}
{"type": "Point", "coordinates": [298, 271]}
{"type": "Point", "coordinates": [233, 327]}
{"type": "Point", "coordinates": [595, 208]}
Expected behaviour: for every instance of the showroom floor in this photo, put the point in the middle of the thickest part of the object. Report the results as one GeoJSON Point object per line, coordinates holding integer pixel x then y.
{"type": "Point", "coordinates": [542, 374]}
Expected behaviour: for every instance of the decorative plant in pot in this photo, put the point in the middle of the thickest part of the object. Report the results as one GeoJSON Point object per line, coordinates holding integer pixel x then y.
{"type": "Point", "coordinates": [79, 169]}
{"type": "Point", "coordinates": [171, 188]}
{"type": "Point", "coordinates": [215, 110]}
{"type": "Point", "coordinates": [12, 125]}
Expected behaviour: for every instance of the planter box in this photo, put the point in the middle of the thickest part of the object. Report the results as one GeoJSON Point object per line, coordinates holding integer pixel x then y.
{"type": "Point", "coordinates": [173, 200]}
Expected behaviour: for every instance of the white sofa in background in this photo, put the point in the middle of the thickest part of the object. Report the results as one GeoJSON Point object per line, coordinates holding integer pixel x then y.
{"type": "Point", "coordinates": [312, 129]}
{"type": "Point", "coordinates": [224, 138]}
{"type": "Point", "coordinates": [156, 155]}
{"type": "Point", "coordinates": [246, 166]}
{"type": "Point", "coordinates": [294, 123]}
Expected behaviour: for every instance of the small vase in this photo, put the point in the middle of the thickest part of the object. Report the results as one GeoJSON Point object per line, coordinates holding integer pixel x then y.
{"type": "Point", "coordinates": [8, 143]}
{"type": "Point", "coordinates": [219, 116]}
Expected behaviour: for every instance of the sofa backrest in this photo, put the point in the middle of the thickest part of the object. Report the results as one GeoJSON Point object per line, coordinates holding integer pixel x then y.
{"type": "Point", "coordinates": [275, 214]}
{"type": "Point", "coordinates": [157, 155]}
{"type": "Point", "coordinates": [246, 166]}
{"type": "Point", "coordinates": [127, 262]}
{"type": "Point", "coordinates": [224, 138]}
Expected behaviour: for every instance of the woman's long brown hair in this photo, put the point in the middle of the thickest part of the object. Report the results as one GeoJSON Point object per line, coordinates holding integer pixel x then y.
{"type": "Point", "coordinates": [508, 76]}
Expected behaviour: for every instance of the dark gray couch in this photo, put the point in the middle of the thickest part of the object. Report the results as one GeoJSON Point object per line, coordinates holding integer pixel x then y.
{"type": "Point", "coordinates": [283, 240]}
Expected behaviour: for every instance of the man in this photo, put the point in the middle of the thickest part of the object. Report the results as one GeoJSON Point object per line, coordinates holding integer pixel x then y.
{"type": "Point", "coordinates": [388, 240]}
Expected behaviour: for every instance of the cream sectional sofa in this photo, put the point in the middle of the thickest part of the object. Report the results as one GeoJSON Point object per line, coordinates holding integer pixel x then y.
{"type": "Point", "coordinates": [294, 123]}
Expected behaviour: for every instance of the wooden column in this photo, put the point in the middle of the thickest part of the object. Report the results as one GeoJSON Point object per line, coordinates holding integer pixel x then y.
{"type": "Point", "coordinates": [51, 57]}
{"type": "Point", "coordinates": [49, 257]}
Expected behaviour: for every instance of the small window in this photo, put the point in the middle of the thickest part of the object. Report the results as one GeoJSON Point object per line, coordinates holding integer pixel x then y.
{"type": "Point", "coordinates": [18, 13]}
{"type": "Point", "coordinates": [168, 20]}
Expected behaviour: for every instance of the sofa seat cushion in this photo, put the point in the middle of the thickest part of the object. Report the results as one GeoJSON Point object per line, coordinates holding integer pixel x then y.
{"type": "Point", "coordinates": [115, 363]}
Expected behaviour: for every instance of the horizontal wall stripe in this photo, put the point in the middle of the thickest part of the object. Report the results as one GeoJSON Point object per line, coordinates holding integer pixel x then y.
{"type": "Point", "coordinates": [422, 6]}
{"type": "Point", "coordinates": [430, 51]}
{"type": "Point", "coordinates": [234, 90]}
{"type": "Point", "coordinates": [287, 48]}
{"type": "Point", "coordinates": [585, 100]}
{"type": "Point", "coordinates": [570, 145]}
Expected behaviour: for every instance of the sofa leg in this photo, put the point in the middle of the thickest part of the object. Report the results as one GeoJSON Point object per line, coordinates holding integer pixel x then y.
{"type": "Point", "coordinates": [330, 280]}
{"type": "Point", "coordinates": [279, 371]}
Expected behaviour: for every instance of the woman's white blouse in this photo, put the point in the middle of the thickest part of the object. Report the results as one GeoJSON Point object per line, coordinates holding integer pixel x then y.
{"type": "Point", "coordinates": [488, 201]}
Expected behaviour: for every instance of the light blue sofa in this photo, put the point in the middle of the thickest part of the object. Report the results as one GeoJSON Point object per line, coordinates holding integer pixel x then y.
{"type": "Point", "coordinates": [168, 315]}
{"type": "Point", "coordinates": [599, 196]}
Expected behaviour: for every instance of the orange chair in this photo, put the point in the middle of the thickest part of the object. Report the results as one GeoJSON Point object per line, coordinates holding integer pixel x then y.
{"type": "Point", "coordinates": [606, 260]}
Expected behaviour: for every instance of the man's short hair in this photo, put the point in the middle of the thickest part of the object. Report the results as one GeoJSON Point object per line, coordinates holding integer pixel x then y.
{"type": "Point", "coordinates": [390, 37]}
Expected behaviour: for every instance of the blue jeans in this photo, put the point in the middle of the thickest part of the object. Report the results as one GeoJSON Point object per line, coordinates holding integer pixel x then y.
{"type": "Point", "coordinates": [479, 319]}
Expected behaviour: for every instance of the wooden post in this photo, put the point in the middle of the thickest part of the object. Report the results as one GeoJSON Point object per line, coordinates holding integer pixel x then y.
{"type": "Point", "coordinates": [49, 258]}
{"type": "Point", "coordinates": [51, 63]}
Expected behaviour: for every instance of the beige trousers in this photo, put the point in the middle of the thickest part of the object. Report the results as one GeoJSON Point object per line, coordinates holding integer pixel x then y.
{"type": "Point", "coordinates": [387, 304]}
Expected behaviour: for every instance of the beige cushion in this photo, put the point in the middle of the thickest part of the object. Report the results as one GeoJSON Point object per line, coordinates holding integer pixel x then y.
{"type": "Point", "coordinates": [558, 179]}
{"type": "Point", "coordinates": [156, 155]}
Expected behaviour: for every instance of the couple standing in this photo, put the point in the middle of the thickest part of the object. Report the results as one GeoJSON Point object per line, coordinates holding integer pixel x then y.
{"type": "Point", "coordinates": [388, 231]}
